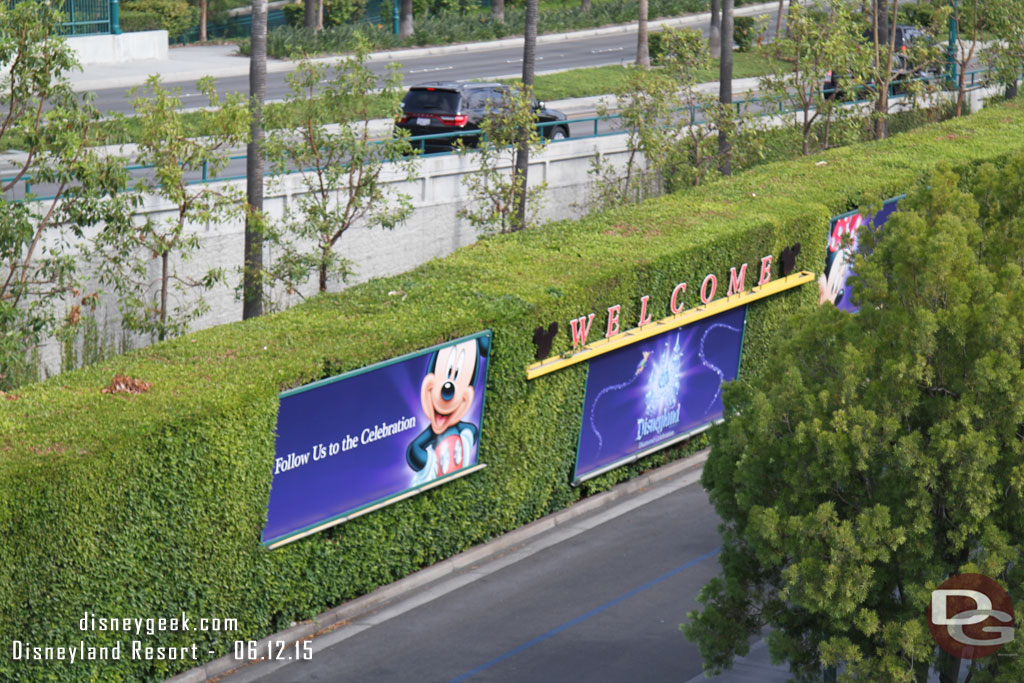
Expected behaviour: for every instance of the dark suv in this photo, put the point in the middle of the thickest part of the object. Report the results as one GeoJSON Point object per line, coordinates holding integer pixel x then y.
{"type": "Point", "coordinates": [450, 107]}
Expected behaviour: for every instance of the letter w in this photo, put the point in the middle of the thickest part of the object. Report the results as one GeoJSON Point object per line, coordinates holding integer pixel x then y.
{"type": "Point", "coordinates": [580, 330]}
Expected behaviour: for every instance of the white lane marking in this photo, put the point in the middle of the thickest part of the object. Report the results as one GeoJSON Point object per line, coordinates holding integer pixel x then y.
{"type": "Point", "coordinates": [607, 49]}
{"type": "Point", "coordinates": [436, 68]}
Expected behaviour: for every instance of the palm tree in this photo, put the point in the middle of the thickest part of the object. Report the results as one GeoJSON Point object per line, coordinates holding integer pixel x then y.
{"type": "Point", "coordinates": [643, 55]}
{"type": "Point", "coordinates": [498, 11]}
{"type": "Point", "coordinates": [405, 20]}
{"type": "Point", "coordinates": [715, 33]}
{"type": "Point", "coordinates": [523, 153]}
{"type": "Point", "coordinates": [252, 272]}
{"type": "Point", "coordinates": [725, 86]}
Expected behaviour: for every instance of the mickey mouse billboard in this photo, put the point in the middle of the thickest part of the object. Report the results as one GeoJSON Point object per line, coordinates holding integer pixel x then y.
{"type": "Point", "coordinates": [834, 284]}
{"type": "Point", "coordinates": [351, 444]}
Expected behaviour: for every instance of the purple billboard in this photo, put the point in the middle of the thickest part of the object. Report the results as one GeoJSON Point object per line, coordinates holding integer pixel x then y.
{"type": "Point", "coordinates": [656, 392]}
{"type": "Point", "coordinates": [353, 443]}
{"type": "Point", "coordinates": [843, 243]}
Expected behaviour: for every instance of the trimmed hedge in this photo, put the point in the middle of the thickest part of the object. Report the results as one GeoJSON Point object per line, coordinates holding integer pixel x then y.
{"type": "Point", "coordinates": [152, 505]}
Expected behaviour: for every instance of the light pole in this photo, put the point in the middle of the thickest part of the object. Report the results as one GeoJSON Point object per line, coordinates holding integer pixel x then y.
{"type": "Point", "coordinates": [951, 46]}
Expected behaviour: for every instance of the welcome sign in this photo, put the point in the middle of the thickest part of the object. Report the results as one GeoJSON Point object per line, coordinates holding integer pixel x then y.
{"type": "Point", "coordinates": [651, 394]}
{"type": "Point", "coordinates": [351, 444]}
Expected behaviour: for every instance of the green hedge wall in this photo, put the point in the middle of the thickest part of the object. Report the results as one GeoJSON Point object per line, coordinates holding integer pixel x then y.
{"type": "Point", "coordinates": [152, 505]}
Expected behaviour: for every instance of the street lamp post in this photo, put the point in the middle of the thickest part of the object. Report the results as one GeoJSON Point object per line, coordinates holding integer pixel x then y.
{"type": "Point", "coordinates": [951, 48]}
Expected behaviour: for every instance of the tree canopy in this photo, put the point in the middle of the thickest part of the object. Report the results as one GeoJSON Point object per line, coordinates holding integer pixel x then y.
{"type": "Point", "coordinates": [880, 453]}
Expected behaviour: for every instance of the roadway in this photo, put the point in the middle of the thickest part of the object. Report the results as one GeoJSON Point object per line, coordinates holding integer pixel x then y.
{"type": "Point", "coordinates": [481, 62]}
{"type": "Point", "coordinates": [599, 598]}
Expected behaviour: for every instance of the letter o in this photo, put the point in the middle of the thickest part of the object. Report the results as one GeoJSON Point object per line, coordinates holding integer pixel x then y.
{"type": "Point", "coordinates": [704, 296]}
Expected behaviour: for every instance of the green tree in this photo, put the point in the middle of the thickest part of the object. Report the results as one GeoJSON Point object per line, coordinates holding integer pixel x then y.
{"type": "Point", "coordinates": [670, 121]}
{"type": "Point", "coordinates": [500, 201]}
{"type": "Point", "coordinates": [255, 164]}
{"type": "Point", "coordinates": [972, 17]}
{"type": "Point", "coordinates": [817, 40]}
{"type": "Point", "coordinates": [882, 452]}
{"type": "Point", "coordinates": [725, 85]}
{"type": "Point", "coordinates": [132, 252]}
{"type": "Point", "coordinates": [1005, 54]}
{"type": "Point", "coordinates": [54, 130]}
{"type": "Point", "coordinates": [323, 135]}
{"type": "Point", "coordinates": [526, 133]}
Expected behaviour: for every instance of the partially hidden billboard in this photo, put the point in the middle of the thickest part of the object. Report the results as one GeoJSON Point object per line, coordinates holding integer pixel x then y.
{"type": "Point", "coordinates": [834, 284]}
{"type": "Point", "coordinates": [353, 443]}
{"type": "Point", "coordinates": [652, 393]}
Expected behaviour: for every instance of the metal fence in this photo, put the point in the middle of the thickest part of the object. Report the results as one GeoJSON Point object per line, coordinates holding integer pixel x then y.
{"type": "Point", "coordinates": [87, 17]}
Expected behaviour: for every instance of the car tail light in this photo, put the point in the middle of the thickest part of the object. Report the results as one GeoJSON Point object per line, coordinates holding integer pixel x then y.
{"type": "Point", "coordinates": [829, 74]}
{"type": "Point", "coordinates": [457, 120]}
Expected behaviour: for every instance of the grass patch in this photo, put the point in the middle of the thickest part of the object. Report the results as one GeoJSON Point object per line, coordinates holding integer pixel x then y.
{"type": "Point", "coordinates": [602, 80]}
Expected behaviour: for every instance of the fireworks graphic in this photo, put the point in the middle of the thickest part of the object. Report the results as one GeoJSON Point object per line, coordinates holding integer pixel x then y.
{"type": "Point", "coordinates": [662, 390]}
{"type": "Point", "coordinates": [714, 368]}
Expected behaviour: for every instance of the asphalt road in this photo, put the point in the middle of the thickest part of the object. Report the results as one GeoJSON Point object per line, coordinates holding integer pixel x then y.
{"type": "Point", "coordinates": [602, 50]}
{"type": "Point", "coordinates": [603, 605]}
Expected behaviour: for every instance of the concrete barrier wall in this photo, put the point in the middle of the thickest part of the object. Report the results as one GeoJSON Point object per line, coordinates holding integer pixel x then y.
{"type": "Point", "coordinates": [126, 47]}
{"type": "Point", "coordinates": [433, 230]}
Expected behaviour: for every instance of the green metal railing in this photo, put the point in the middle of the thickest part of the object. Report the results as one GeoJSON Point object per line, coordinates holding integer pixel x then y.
{"type": "Point", "coordinates": [90, 17]}
{"type": "Point", "coordinates": [438, 143]}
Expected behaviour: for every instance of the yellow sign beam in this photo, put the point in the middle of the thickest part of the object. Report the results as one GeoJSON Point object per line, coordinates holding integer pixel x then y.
{"type": "Point", "coordinates": [656, 327]}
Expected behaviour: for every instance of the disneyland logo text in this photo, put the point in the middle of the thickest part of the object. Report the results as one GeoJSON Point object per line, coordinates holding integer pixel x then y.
{"type": "Point", "coordinates": [737, 284]}
{"type": "Point", "coordinates": [656, 425]}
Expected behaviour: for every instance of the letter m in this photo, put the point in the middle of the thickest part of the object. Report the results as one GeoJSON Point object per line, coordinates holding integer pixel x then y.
{"type": "Point", "coordinates": [737, 282]}
{"type": "Point", "coordinates": [580, 330]}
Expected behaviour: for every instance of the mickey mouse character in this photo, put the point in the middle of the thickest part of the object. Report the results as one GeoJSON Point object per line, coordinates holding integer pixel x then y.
{"type": "Point", "coordinates": [447, 392]}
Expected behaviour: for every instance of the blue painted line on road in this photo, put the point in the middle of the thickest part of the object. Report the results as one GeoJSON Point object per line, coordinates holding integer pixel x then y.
{"type": "Point", "coordinates": [594, 612]}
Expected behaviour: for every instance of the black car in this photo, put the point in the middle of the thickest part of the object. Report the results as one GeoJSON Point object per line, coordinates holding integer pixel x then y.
{"type": "Point", "coordinates": [450, 107]}
{"type": "Point", "coordinates": [902, 65]}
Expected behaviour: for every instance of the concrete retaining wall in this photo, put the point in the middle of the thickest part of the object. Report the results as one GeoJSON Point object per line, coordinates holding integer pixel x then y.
{"type": "Point", "coordinates": [127, 47]}
{"type": "Point", "coordinates": [434, 229]}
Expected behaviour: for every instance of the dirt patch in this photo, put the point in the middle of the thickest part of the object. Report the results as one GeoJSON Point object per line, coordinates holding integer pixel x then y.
{"type": "Point", "coordinates": [122, 384]}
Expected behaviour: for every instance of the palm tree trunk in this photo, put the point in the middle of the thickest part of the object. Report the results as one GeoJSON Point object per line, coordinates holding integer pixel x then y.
{"type": "Point", "coordinates": [252, 275]}
{"type": "Point", "coordinates": [725, 86]}
{"type": "Point", "coordinates": [309, 14]}
{"type": "Point", "coordinates": [643, 55]}
{"type": "Point", "coordinates": [405, 20]}
{"type": "Point", "coordinates": [585, 6]}
{"type": "Point", "coordinates": [202, 20]}
{"type": "Point", "coordinates": [498, 11]}
{"type": "Point", "coordinates": [523, 152]}
{"type": "Point", "coordinates": [715, 33]}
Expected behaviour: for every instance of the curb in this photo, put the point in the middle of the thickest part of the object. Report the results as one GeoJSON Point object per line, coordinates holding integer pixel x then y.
{"type": "Point", "coordinates": [503, 544]}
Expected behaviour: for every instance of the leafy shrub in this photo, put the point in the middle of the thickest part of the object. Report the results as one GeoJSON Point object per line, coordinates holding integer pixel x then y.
{"type": "Point", "coordinates": [744, 33]}
{"type": "Point", "coordinates": [175, 16]}
{"type": "Point", "coordinates": [456, 21]}
{"type": "Point", "coordinates": [336, 12]}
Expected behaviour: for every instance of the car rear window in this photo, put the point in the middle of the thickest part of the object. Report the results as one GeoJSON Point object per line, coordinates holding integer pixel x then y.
{"type": "Point", "coordinates": [431, 101]}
